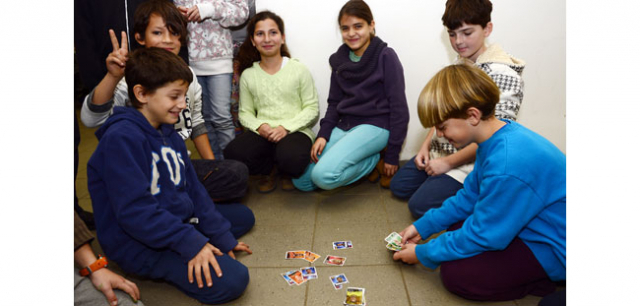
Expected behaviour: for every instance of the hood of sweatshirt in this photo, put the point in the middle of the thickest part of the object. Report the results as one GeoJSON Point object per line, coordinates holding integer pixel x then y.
{"type": "Point", "coordinates": [133, 115]}
{"type": "Point", "coordinates": [495, 54]}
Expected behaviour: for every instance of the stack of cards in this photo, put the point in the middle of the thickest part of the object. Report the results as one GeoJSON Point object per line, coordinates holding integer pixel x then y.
{"type": "Point", "coordinates": [338, 280]}
{"type": "Point", "coordinates": [394, 242]}
{"type": "Point", "coordinates": [339, 245]}
{"type": "Point", "coordinates": [298, 277]}
{"type": "Point", "coordinates": [355, 296]}
{"type": "Point", "coordinates": [334, 260]}
{"type": "Point", "coordinates": [306, 255]}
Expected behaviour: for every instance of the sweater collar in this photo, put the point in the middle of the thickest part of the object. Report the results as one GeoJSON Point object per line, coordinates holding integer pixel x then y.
{"type": "Point", "coordinates": [357, 71]}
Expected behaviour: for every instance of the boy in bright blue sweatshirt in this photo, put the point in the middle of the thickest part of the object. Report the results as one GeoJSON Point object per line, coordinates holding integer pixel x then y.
{"type": "Point", "coordinates": [506, 233]}
{"type": "Point", "coordinates": [153, 216]}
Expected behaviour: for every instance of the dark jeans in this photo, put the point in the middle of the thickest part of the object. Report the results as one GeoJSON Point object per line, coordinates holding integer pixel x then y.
{"type": "Point", "coordinates": [423, 191]}
{"type": "Point", "coordinates": [503, 275]}
{"type": "Point", "coordinates": [291, 154]}
{"type": "Point", "coordinates": [223, 179]}
{"type": "Point", "coordinates": [235, 276]}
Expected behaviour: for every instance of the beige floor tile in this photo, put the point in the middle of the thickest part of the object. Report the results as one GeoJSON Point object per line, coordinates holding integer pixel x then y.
{"type": "Point", "coordinates": [270, 243]}
{"type": "Point", "coordinates": [85, 203]}
{"type": "Point", "coordinates": [81, 188]}
{"type": "Point", "coordinates": [267, 287]}
{"type": "Point", "coordinates": [341, 209]}
{"type": "Point", "coordinates": [367, 238]}
{"type": "Point", "coordinates": [283, 208]}
{"type": "Point", "coordinates": [383, 285]}
{"type": "Point", "coordinates": [397, 210]}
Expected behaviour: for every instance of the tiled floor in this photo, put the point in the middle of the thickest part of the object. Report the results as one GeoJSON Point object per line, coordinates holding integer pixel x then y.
{"type": "Point", "coordinates": [363, 213]}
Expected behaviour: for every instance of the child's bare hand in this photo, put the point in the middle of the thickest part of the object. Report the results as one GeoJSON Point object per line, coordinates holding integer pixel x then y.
{"type": "Point", "coordinates": [437, 166]}
{"type": "Point", "coordinates": [317, 148]}
{"type": "Point", "coordinates": [390, 170]}
{"type": "Point", "coordinates": [183, 10]}
{"type": "Point", "coordinates": [193, 14]}
{"type": "Point", "coordinates": [117, 59]}
{"type": "Point", "coordinates": [421, 159]}
{"type": "Point", "coordinates": [106, 280]}
{"type": "Point", "coordinates": [200, 264]}
{"type": "Point", "coordinates": [407, 255]}
{"type": "Point", "coordinates": [240, 247]}
{"type": "Point", "coordinates": [264, 130]}
{"type": "Point", "coordinates": [410, 235]}
{"type": "Point", "coordinates": [277, 134]}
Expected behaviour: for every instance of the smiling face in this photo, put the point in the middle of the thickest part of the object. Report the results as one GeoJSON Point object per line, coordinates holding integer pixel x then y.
{"type": "Point", "coordinates": [158, 35]}
{"type": "Point", "coordinates": [163, 106]}
{"type": "Point", "coordinates": [267, 38]}
{"type": "Point", "coordinates": [457, 131]}
{"type": "Point", "coordinates": [356, 33]}
{"type": "Point", "coordinates": [468, 40]}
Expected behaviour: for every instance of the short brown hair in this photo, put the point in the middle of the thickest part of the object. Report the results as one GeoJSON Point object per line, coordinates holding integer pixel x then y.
{"type": "Point", "coordinates": [453, 90]}
{"type": "Point", "coordinates": [153, 68]}
{"type": "Point", "coordinates": [176, 23]}
{"type": "Point", "coordinates": [458, 12]}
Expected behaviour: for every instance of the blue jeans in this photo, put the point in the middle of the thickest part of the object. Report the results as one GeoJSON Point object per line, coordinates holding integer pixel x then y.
{"type": "Point", "coordinates": [423, 191]}
{"type": "Point", "coordinates": [348, 156]}
{"type": "Point", "coordinates": [235, 276]}
{"type": "Point", "coordinates": [216, 110]}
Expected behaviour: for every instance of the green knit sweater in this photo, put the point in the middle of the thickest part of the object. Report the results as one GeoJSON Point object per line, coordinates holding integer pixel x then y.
{"type": "Point", "coordinates": [287, 98]}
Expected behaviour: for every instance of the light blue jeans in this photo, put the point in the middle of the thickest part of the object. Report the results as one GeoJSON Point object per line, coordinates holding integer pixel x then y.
{"type": "Point", "coordinates": [347, 157]}
{"type": "Point", "coordinates": [216, 110]}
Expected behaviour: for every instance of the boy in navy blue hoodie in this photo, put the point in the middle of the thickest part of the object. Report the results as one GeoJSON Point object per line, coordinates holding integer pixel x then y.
{"type": "Point", "coordinates": [153, 217]}
{"type": "Point", "coordinates": [506, 233]}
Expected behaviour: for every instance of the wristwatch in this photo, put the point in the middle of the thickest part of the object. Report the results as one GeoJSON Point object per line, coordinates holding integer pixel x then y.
{"type": "Point", "coordinates": [95, 266]}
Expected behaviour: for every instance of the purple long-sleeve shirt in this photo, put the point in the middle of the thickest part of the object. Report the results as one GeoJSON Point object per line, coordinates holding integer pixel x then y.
{"type": "Point", "coordinates": [378, 99]}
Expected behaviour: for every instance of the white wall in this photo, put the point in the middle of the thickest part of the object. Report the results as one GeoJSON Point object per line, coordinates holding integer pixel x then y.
{"type": "Point", "coordinates": [530, 30]}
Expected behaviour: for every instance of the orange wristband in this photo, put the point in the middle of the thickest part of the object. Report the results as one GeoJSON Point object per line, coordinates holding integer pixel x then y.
{"type": "Point", "coordinates": [95, 266]}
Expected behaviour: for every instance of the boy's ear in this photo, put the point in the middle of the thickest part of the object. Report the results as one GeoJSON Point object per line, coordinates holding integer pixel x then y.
{"type": "Point", "coordinates": [474, 116]}
{"type": "Point", "coordinates": [140, 93]}
{"type": "Point", "coordinates": [139, 39]}
{"type": "Point", "coordinates": [487, 29]}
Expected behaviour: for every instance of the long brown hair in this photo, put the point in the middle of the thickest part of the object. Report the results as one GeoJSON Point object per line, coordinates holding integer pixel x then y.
{"type": "Point", "coordinates": [248, 53]}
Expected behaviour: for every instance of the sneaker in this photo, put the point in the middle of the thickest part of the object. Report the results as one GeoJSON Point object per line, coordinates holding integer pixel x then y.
{"type": "Point", "coordinates": [286, 184]}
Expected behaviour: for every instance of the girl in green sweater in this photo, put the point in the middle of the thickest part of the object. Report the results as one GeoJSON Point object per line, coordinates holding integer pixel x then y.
{"type": "Point", "coordinates": [278, 106]}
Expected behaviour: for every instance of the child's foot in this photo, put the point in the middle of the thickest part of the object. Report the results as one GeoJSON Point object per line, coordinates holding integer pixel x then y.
{"type": "Point", "coordinates": [286, 184]}
{"type": "Point", "coordinates": [267, 183]}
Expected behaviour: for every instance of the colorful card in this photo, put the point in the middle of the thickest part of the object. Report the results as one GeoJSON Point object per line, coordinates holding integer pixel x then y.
{"type": "Point", "coordinates": [296, 276]}
{"type": "Point", "coordinates": [355, 296]}
{"type": "Point", "coordinates": [394, 247]}
{"type": "Point", "coordinates": [339, 245]}
{"type": "Point", "coordinates": [309, 273]}
{"type": "Point", "coordinates": [310, 256]}
{"type": "Point", "coordinates": [335, 260]}
{"type": "Point", "coordinates": [339, 279]}
{"type": "Point", "coordinates": [395, 238]}
{"type": "Point", "coordinates": [287, 278]}
{"type": "Point", "coordinates": [337, 286]}
{"type": "Point", "coordinates": [294, 255]}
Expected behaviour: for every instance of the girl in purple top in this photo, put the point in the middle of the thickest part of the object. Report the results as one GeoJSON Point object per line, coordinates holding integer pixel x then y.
{"type": "Point", "coordinates": [367, 107]}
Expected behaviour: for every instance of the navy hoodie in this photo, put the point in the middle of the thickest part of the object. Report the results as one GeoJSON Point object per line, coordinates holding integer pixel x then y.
{"type": "Point", "coordinates": [144, 192]}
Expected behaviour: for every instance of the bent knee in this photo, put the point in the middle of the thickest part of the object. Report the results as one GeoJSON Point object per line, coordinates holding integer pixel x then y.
{"type": "Point", "coordinates": [233, 285]}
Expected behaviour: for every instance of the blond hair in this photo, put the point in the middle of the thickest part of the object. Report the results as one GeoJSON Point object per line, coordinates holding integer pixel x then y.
{"type": "Point", "coordinates": [453, 90]}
